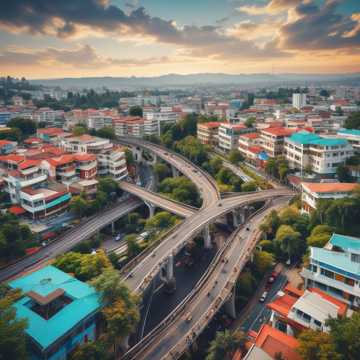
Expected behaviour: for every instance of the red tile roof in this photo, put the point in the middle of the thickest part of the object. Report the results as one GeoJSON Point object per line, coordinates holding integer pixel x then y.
{"type": "Point", "coordinates": [28, 164]}
{"type": "Point", "coordinates": [84, 157]}
{"type": "Point", "coordinates": [33, 140]}
{"type": "Point", "coordinates": [50, 131]}
{"type": "Point", "coordinates": [12, 158]}
{"type": "Point", "coordinates": [274, 341]}
{"type": "Point", "coordinates": [211, 124]}
{"type": "Point", "coordinates": [5, 142]}
{"type": "Point", "coordinates": [283, 304]}
{"type": "Point", "coordinates": [17, 210]}
{"type": "Point", "coordinates": [250, 136]}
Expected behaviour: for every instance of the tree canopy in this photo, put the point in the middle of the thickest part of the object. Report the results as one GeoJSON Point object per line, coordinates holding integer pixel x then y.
{"type": "Point", "coordinates": [353, 121]}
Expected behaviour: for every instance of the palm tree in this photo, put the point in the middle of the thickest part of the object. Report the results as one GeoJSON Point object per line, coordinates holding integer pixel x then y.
{"type": "Point", "coordinates": [225, 344]}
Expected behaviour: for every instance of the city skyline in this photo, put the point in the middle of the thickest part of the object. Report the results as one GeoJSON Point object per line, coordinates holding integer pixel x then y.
{"type": "Point", "coordinates": [41, 39]}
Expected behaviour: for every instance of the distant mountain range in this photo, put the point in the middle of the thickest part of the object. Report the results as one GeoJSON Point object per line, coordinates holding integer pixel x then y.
{"type": "Point", "coordinates": [206, 79]}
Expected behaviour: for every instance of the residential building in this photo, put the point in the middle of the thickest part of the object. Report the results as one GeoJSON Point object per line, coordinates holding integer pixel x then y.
{"type": "Point", "coordinates": [229, 135]}
{"type": "Point", "coordinates": [112, 163]}
{"type": "Point", "coordinates": [97, 121]}
{"type": "Point", "coordinates": [247, 141]}
{"type": "Point", "coordinates": [155, 121]}
{"type": "Point", "coordinates": [7, 147]}
{"type": "Point", "coordinates": [272, 341]}
{"type": "Point", "coordinates": [52, 135]}
{"type": "Point", "coordinates": [352, 136]}
{"type": "Point", "coordinates": [85, 144]}
{"type": "Point", "coordinates": [129, 125]}
{"type": "Point", "coordinates": [335, 269]}
{"type": "Point", "coordinates": [323, 155]}
{"type": "Point", "coordinates": [5, 117]}
{"type": "Point", "coordinates": [207, 133]}
{"type": "Point", "coordinates": [312, 193]}
{"type": "Point", "coordinates": [298, 100]}
{"type": "Point", "coordinates": [272, 139]}
{"type": "Point", "coordinates": [61, 312]}
{"type": "Point", "coordinates": [293, 310]}
{"type": "Point", "coordinates": [86, 187]}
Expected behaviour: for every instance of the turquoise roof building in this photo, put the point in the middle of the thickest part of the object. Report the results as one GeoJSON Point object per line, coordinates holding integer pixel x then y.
{"type": "Point", "coordinates": [336, 269]}
{"type": "Point", "coordinates": [60, 310]}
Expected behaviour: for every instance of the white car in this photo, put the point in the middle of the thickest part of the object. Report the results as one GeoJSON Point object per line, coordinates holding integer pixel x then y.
{"type": "Point", "coordinates": [263, 296]}
{"type": "Point", "coordinates": [118, 237]}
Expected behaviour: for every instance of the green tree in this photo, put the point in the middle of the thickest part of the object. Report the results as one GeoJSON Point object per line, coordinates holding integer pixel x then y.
{"type": "Point", "coordinates": [263, 262]}
{"type": "Point", "coordinates": [94, 350]}
{"type": "Point", "coordinates": [249, 186]}
{"type": "Point", "coordinates": [120, 306]}
{"type": "Point", "coordinates": [290, 242]}
{"type": "Point", "coordinates": [319, 236]}
{"type": "Point", "coordinates": [235, 156]}
{"type": "Point", "coordinates": [215, 164]}
{"type": "Point", "coordinates": [160, 221]}
{"type": "Point", "coordinates": [133, 248]}
{"type": "Point", "coordinates": [353, 121]}
{"type": "Point", "coordinates": [106, 133]}
{"type": "Point", "coordinates": [26, 126]}
{"type": "Point", "coordinates": [317, 345]}
{"type": "Point", "coordinates": [129, 157]}
{"type": "Point", "coordinates": [79, 206]}
{"type": "Point", "coordinates": [225, 344]}
{"type": "Point", "coordinates": [12, 330]}
{"type": "Point", "coordinates": [193, 149]}
{"type": "Point", "coordinates": [250, 121]}
{"type": "Point", "coordinates": [345, 334]}
{"type": "Point", "coordinates": [343, 173]}
{"type": "Point", "coordinates": [79, 130]}
{"type": "Point", "coordinates": [109, 186]}
{"type": "Point", "coordinates": [136, 111]}
{"type": "Point", "coordinates": [162, 171]}
{"type": "Point", "coordinates": [83, 266]}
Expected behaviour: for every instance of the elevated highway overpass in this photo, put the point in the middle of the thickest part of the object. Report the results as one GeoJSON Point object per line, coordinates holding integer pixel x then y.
{"type": "Point", "coordinates": [176, 332]}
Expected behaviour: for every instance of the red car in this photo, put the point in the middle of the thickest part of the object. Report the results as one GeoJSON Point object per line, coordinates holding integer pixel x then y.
{"type": "Point", "coordinates": [273, 277]}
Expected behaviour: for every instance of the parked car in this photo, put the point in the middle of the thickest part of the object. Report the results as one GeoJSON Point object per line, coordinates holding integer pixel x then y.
{"type": "Point", "coordinates": [118, 237]}
{"type": "Point", "coordinates": [273, 277]}
{"type": "Point", "coordinates": [263, 296]}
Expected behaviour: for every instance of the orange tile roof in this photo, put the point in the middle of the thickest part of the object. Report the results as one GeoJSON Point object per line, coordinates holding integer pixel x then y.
{"type": "Point", "coordinates": [342, 307]}
{"type": "Point", "coordinates": [33, 140]}
{"type": "Point", "coordinates": [50, 131]}
{"type": "Point", "coordinates": [292, 290]}
{"type": "Point", "coordinates": [273, 341]}
{"type": "Point", "coordinates": [211, 124]}
{"type": "Point", "coordinates": [283, 304]}
{"type": "Point", "coordinates": [62, 160]}
{"type": "Point", "coordinates": [279, 131]}
{"type": "Point", "coordinates": [84, 157]}
{"type": "Point", "coordinates": [255, 149]}
{"type": "Point", "coordinates": [329, 187]}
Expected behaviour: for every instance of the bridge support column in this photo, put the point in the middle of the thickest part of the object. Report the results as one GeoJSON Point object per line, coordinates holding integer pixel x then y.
{"type": "Point", "coordinates": [230, 307]}
{"type": "Point", "coordinates": [175, 171]}
{"type": "Point", "coordinates": [124, 343]}
{"type": "Point", "coordinates": [167, 275]}
{"type": "Point", "coordinates": [207, 237]}
{"type": "Point", "coordinates": [138, 155]}
{"type": "Point", "coordinates": [113, 227]}
{"type": "Point", "coordinates": [151, 209]}
{"type": "Point", "coordinates": [238, 217]}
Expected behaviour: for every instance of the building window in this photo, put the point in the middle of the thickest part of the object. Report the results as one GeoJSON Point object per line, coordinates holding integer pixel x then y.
{"type": "Point", "coordinates": [327, 273]}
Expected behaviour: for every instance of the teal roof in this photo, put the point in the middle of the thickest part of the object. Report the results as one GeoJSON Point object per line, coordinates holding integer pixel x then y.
{"type": "Point", "coordinates": [308, 138]}
{"type": "Point", "coordinates": [336, 261]}
{"type": "Point", "coordinates": [345, 242]}
{"type": "Point", "coordinates": [349, 132]}
{"type": "Point", "coordinates": [45, 281]}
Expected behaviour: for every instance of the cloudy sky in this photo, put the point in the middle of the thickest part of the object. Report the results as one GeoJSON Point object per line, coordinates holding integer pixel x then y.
{"type": "Point", "coordinates": [59, 38]}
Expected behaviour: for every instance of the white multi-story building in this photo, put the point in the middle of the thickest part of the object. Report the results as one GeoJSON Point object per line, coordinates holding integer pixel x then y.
{"type": "Point", "coordinates": [336, 269]}
{"type": "Point", "coordinates": [207, 133]}
{"type": "Point", "coordinates": [129, 125]}
{"type": "Point", "coordinates": [85, 144]}
{"type": "Point", "coordinates": [323, 155]}
{"type": "Point", "coordinates": [97, 122]}
{"type": "Point", "coordinates": [113, 163]}
{"type": "Point", "coordinates": [352, 136]}
{"type": "Point", "coordinates": [298, 101]}
{"type": "Point", "coordinates": [272, 139]}
{"type": "Point", "coordinates": [154, 122]}
{"type": "Point", "coordinates": [229, 135]}
{"type": "Point", "coordinates": [312, 193]}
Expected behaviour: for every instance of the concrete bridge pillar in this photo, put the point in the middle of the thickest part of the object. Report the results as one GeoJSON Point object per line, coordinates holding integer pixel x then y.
{"type": "Point", "coordinates": [207, 237]}
{"type": "Point", "coordinates": [151, 209]}
{"type": "Point", "coordinates": [124, 343]}
{"type": "Point", "coordinates": [167, 275]}
{"type": "Point", "coordinates": [137, 155]}
{"type": "Point", "coordinates": [175, 171]}
{"type": "Point", "coordinates": [230, 307]}
{"type": "Point", "coordinates": [238, 217]}
{"type": "Point", "coordinates": [113, 227]}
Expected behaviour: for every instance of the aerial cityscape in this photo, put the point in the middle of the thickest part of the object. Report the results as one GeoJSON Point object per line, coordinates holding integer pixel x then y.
{"type": "Point", "coordinates": [180, 180]}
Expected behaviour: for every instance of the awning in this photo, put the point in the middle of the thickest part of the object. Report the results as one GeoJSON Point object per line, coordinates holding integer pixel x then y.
{"type": "Point", "coordinates": [17, 210]}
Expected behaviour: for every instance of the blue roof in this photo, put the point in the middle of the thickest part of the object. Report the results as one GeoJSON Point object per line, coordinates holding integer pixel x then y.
{"type": "Point", "coordinates": [336, 261]}
{"type": "Point", "coordinates": [263, 156]}
{"type": "Point", "coordinates": [308, 138]}
{"type": "Point", "coordinates": [349, 132]}
{"type": "Point", "coordinates": [345, 242]}
{"type": "Point", "coordinates": [45, 281]}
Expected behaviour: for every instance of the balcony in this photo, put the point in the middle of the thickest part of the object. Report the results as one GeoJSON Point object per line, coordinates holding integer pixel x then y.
{"type": "Point", "coordinates": [354, 290]}
{"type": "Point", "coordinates": [32, 180]}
